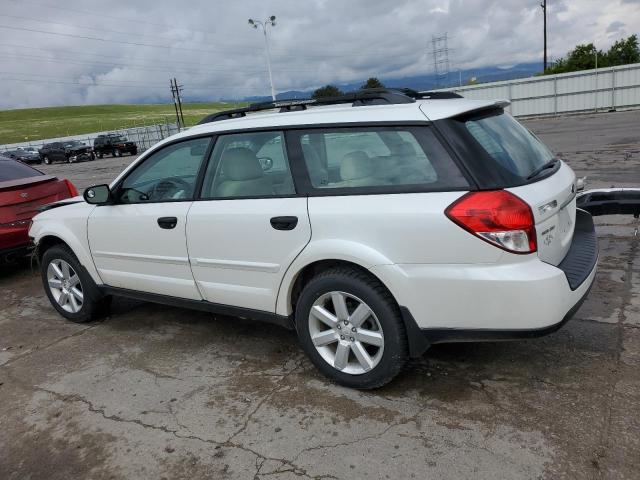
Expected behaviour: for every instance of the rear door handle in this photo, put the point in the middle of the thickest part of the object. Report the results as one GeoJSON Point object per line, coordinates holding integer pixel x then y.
{"type": "Point", "coordinates": [167, 222]}
{"type": "Point", "coordinates": [284, 223]}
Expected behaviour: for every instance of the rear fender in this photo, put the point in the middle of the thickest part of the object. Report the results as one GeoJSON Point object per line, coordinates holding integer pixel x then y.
{"type": "Point", "coordinates": [352, 252]}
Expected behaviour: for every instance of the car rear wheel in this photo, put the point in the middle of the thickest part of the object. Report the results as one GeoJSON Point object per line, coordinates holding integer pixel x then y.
{"type": "Point", "coordinates": [117, 153]}
{"type": "Point", "coordinates": [69, 160]}
{"type": "Point", "coordinates": [70, 288]}
{"type": "Point", "coordinates": [100, 155]}
{"type": "Point", "coordinates": [46, 160]}
{"type": "Point", "coordinates": [350, 327]}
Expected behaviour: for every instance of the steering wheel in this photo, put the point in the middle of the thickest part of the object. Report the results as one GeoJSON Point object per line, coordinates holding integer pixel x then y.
{"type": "Point", "coordinates": [168, 188]}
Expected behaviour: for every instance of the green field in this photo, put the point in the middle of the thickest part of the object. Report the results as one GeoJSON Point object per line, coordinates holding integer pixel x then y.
{"type": "Point", "coordinates": [32, 124]}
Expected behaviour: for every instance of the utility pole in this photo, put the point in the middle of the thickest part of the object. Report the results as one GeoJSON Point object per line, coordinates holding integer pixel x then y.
{"type": "Point", "coordinates": [177, 101]}
{"type": "Point", "coordinates": [178, 92]}
{"type": "Point", "coordinates": [544, 12]}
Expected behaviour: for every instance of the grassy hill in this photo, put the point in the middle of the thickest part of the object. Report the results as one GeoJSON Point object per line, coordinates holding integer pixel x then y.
{"type": "Point", "coordinates": [40, 123]}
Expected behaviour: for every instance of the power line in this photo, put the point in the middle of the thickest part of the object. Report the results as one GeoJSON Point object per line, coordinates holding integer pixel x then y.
{"type": "Point", "coordinates": [107, 40]}
{"type": "Point", "coordinates": [153, 66]}
{"type": "Point", "coordinates": [138, 21]}
{"type": "Point", "coordinates": [132, 66]}
{"type": "Point", "coordinates": [119, 32]}
{"type": "Point", "coordinates": [203, 88]}
{"type": "Point", "coordinates": [306, 54]}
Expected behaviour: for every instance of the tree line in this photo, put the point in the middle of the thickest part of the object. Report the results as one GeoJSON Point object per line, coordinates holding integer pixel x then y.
{"type": "Point", "coordinates": [333, 91]}
{"type": "Point", "coordinates": [583, 57]}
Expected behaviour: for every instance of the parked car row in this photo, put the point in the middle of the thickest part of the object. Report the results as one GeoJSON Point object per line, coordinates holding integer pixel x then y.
{"type": "Point", "coordinates": [73, 151]}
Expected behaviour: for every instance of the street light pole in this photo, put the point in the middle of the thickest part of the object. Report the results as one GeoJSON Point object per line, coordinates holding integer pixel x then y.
{"type": "Point", "coordinates": [544, 11]}
{"type": "Point", "coordinates": [264, 25]}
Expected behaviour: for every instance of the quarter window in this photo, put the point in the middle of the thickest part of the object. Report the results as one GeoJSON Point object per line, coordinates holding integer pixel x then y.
{"type": "Point", "coordinates": [166, 175]}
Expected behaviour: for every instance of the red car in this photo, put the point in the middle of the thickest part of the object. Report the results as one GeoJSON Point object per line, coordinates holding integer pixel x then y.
{"type": "Point", "coordinates": [23, 189]}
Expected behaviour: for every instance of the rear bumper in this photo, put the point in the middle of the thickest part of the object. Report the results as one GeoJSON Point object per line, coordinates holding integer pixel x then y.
{"type": "Point", "coordinates": [610, 201]}
{"type": "Point", "coordinates": [11, 254]}
{"type": "Point", "coordinates": [13, 237]}
{"type": "Point", "coordinates": [487, 302]}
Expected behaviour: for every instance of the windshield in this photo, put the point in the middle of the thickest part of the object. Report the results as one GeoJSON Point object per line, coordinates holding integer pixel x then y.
{"type": "Point", "coordinates": [74, 143]}
{"type": "Point", "coordinates": [118, 139]}
{"type": "Point", "coordinates": [509, 143]}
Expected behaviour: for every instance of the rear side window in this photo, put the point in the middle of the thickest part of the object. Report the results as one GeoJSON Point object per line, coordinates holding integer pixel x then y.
{"type": "Point", "coordinates": [378, 158]}
{"type": "Point", "coordinates": [12, 170]}
{"type": "Point", "coordinates": [509, 143]}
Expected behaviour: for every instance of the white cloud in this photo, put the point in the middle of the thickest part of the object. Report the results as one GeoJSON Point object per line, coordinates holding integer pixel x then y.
{"type": "Point", "coordinates": [215, 54]}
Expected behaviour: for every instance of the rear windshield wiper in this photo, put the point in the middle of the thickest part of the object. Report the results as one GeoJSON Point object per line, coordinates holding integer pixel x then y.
{"type": "Point", "coordinates": [550, 164]}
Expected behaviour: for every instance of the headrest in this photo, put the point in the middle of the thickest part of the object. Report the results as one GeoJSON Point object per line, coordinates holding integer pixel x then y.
{"type": "Point", "coordinates": [356, 165]}
{"type": "Point", "coordinates": [405, 148]}
{"type": "Point", "coordinates": [241, 164]}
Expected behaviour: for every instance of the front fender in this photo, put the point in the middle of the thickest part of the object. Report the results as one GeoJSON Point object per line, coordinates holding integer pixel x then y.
{"type": "Point", "coordinates": [69, 224]}
{"type": "Point", "coordinates": [322, 250]}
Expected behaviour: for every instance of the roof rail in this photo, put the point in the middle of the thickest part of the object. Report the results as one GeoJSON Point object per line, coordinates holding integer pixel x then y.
{"type": "Point", "coordinates": [371, 96]}
{"type": "Point", "coordinates": [374, 96]}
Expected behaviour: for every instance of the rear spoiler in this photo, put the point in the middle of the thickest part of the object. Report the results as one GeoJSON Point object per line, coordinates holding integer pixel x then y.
{"type": "Point", "coordinates": [610, 201]}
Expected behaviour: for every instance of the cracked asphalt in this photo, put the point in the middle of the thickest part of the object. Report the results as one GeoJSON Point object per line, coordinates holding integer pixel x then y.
{"type": "Point", "coordinates": [164, 393]}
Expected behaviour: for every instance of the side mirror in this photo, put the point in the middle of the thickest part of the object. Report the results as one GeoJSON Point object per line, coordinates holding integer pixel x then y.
{"type": "Point", "coordinates": [97, 195]}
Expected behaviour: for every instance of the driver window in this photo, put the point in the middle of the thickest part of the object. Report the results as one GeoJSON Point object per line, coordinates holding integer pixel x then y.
{"type": "Point", "coordinates": [167, 175]}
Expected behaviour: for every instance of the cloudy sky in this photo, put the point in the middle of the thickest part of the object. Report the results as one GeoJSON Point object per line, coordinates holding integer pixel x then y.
{"type": "Point", "coordinates": [76, 52]}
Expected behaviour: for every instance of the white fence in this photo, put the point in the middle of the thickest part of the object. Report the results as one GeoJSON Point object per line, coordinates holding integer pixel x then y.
{"type": "Point", "coordinates": [144, 137]}
{"type": "Point", "coordinates": [601, 89]}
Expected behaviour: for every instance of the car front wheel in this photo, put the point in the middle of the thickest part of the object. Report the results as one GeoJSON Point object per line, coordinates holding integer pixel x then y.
{"type": "Point", "coordinates": [350, 327]}
{"type": "Point", "coordinates": [46, 160]}
{"type": "Point", "coordinates": [70, 288]}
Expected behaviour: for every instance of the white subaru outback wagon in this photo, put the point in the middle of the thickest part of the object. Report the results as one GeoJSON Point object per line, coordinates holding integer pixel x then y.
{"type": "Point", "coordinates": [374, 224]}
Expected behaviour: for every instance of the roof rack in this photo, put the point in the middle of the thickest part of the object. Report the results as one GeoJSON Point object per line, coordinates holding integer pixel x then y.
{"type": "Point", "coordinates": [372, 96]}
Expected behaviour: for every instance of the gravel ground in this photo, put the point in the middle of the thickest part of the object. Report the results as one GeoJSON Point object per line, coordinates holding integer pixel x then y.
{"type": "Point", "coordinates": [158, 392]}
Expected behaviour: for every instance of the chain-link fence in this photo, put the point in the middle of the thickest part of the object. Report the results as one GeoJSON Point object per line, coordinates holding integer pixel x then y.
{"type": "Point", "coordinates": [145, 137]}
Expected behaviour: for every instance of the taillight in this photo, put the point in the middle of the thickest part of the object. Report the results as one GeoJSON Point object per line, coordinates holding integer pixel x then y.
{"type": "Point", "coordinates": [498, 217]}
{"type": "Point", "coordinates": [73, 191]}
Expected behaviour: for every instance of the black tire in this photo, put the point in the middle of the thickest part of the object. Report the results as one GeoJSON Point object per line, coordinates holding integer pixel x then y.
{"type": "Point", "coordinates": [46, 160]}
{"type": "Point", "coordinates": [134, 152]}
{"type": "Point", "coordinates": [69, 159]}
{"type": "Point", "coordinates": [380, 301]}
{"type": "Point", "coordinates": [117, 153]}
{"type": "Point", "coordinates": [93, 302]}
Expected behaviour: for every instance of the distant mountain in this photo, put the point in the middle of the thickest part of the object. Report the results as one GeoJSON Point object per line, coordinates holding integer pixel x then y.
{"type": "Point", "coordinates": [428, 82]}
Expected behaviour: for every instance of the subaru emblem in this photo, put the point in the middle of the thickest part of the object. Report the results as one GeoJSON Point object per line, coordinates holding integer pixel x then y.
{"type": "Point", "coordinates": [24, 194]}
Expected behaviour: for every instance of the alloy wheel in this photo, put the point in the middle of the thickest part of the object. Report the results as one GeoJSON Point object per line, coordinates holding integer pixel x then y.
{"type": "Point", "coordinates": [65, 285]}
{"type": "Point", "coordinates": [346, 333]}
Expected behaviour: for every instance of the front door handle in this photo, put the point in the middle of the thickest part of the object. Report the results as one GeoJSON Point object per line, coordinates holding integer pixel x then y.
{"type": "Point", "coordinates": [284, 223]}
{"type": "Point", "coordinates": [167, 222]}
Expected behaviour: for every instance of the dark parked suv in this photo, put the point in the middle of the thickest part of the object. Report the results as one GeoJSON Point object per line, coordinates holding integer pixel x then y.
{"type": "Point", "coordinates": [70, 151]}
{"type": "Point", "coordinates": [114, 145]}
